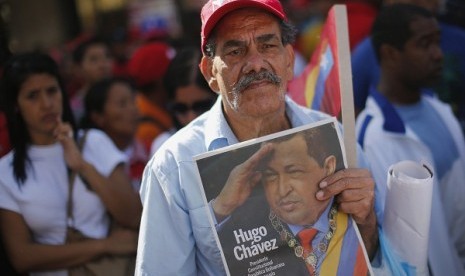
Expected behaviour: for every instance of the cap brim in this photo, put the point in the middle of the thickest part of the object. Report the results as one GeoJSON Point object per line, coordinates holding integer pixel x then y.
{"type": "Point", "coordinates": [219, 13]}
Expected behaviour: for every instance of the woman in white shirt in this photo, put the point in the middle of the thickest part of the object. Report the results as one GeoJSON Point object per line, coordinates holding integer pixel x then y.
{"type": "Point", "coordinates": [110, 105]}
{"type": "Point", "coordinates": [34, 184]}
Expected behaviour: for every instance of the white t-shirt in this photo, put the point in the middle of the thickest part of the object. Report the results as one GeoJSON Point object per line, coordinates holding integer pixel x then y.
{"type": "Point", "coordinates": [42, 198]}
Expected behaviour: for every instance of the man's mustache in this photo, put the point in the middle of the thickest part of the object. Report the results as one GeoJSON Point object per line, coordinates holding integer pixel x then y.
{"type": "Point", "coordinates": [248, 79]}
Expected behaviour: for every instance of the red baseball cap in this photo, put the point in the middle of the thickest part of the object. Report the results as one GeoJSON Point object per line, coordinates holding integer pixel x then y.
{"type": "Point", "coordinates": [150, 62]}
{"type": "Point", "coordinates": [214, 10]}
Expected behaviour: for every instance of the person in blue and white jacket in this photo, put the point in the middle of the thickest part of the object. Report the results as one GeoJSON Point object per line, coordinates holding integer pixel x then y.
{"type": "Point", "coordinates": [402, 121]}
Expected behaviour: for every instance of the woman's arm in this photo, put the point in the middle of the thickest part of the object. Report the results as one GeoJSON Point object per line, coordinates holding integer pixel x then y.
{"type": "Point", "coordinates": [115, 191]}
{"type": "Point", "coordinates": [27, 255]}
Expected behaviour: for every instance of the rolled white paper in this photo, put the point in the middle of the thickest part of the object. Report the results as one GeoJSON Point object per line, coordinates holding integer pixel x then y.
{"type": "Point", "coordinates": [407, 212]}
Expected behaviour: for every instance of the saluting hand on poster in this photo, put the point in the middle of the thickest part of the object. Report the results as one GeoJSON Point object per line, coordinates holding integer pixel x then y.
{"type": "Point", "coordinates": [240, 184]}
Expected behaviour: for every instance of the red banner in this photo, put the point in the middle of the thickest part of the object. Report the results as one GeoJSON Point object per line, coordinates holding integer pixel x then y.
{"type": "Point", "coordinates": [318, 87]}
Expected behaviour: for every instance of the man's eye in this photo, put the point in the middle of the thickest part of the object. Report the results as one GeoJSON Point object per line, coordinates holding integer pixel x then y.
{"type": "Point", "coordinates": [424, 44]}
{"type": "Point", "coordinates": [427, 42]}
{"type": "Point", "coordinates": [269, 176]}
{"type": "Point", "coordinates": [235, 52]}
{"type": "Point", "coordinates": [296, 173]}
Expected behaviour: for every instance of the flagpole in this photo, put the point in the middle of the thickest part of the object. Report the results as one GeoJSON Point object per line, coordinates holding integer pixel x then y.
{"type": "Point", "coordinates": [345, 76]}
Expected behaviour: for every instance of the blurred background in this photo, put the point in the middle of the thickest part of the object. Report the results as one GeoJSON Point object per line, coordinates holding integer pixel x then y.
{"type": "Point", "coordinates": [53, 25]}
{"type": "Point", "coordinates": [50, 24]}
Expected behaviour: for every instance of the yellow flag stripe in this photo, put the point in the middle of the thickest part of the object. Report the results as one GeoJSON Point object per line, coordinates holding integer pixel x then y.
{"type": "Point", "coordinates": [331, 262]}
{"type": "Point", "coordinates": [310, 86]}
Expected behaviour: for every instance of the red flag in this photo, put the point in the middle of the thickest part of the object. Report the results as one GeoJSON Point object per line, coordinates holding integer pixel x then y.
{"type": "Point", "coordinates": [326, 83]}
{"type": "Point", "coordinates": [318, 87]}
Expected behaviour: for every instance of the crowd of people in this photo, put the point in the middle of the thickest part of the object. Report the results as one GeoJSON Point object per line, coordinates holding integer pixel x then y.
{"type": "Point", "coordinates": [113, 143]}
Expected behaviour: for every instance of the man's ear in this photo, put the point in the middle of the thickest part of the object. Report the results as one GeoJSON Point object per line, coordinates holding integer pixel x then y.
{"type": "Point", "coordinates": [330, 165]}
{"type": "Point", "coordinates": [208, 72]}
{"type": "Point", "coordinates": [389, 54]}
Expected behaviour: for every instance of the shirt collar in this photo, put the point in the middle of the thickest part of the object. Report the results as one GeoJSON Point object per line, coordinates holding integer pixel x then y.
{"type": "Point", "coordinates": [392, 120]}
{"type": "Point", "coordinates": [322, 224]}
{"type": "Point", "coordinates": [219, 134]}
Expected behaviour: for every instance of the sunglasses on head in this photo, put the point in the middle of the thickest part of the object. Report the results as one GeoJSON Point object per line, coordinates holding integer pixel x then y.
{"type": "Point", "coordinates": [198, 107]}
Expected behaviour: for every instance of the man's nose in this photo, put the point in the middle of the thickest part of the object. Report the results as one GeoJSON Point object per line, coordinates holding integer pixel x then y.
{"type": "Point", "coordinates": [255, 62]}
{"type": "Point", "coordinates": [437, 54]}
{"type": "Point", "coordinates": [285, 186]}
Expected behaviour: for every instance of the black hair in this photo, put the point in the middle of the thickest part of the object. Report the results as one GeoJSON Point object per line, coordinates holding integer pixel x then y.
{"type": "Point", "coordinates": [183, 71]}
{"type": "Point", "coordinates": [96, 98]}
{"type": "Point", "coordinates": [288, 34]}
{"type": "Point", "coordinates": [16, 71]}
{"type": "Point", "coordinates": [81, 49]}
{"type": "Point", "coordinates": [392, 25]}
{"type": "Point", "coordinates": [322, 142]}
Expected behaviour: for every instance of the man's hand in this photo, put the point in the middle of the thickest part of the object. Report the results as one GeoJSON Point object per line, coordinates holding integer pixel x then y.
{"type": "Point", "coordinates": [354, 190]}
{"type": "Point", "coordinates": [239, 185]}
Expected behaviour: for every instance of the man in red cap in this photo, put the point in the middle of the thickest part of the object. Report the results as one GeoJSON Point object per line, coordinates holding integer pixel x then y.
{"type": "Point", "coordinates": [248, 60]}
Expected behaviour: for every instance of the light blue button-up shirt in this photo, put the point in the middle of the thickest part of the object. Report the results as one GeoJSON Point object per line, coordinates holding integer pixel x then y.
{"type": "Point", "coordinates": [176, 237]}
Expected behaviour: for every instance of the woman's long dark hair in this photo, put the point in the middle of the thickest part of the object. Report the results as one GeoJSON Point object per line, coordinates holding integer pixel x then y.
{"type": "Point", "coordinates": [16, 71]}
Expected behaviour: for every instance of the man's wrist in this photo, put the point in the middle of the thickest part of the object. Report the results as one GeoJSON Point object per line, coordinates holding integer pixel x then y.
{"type": "Point", "coordinates": [369, 233]}
{"type": "Point", "coordinates": [220, 211]}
